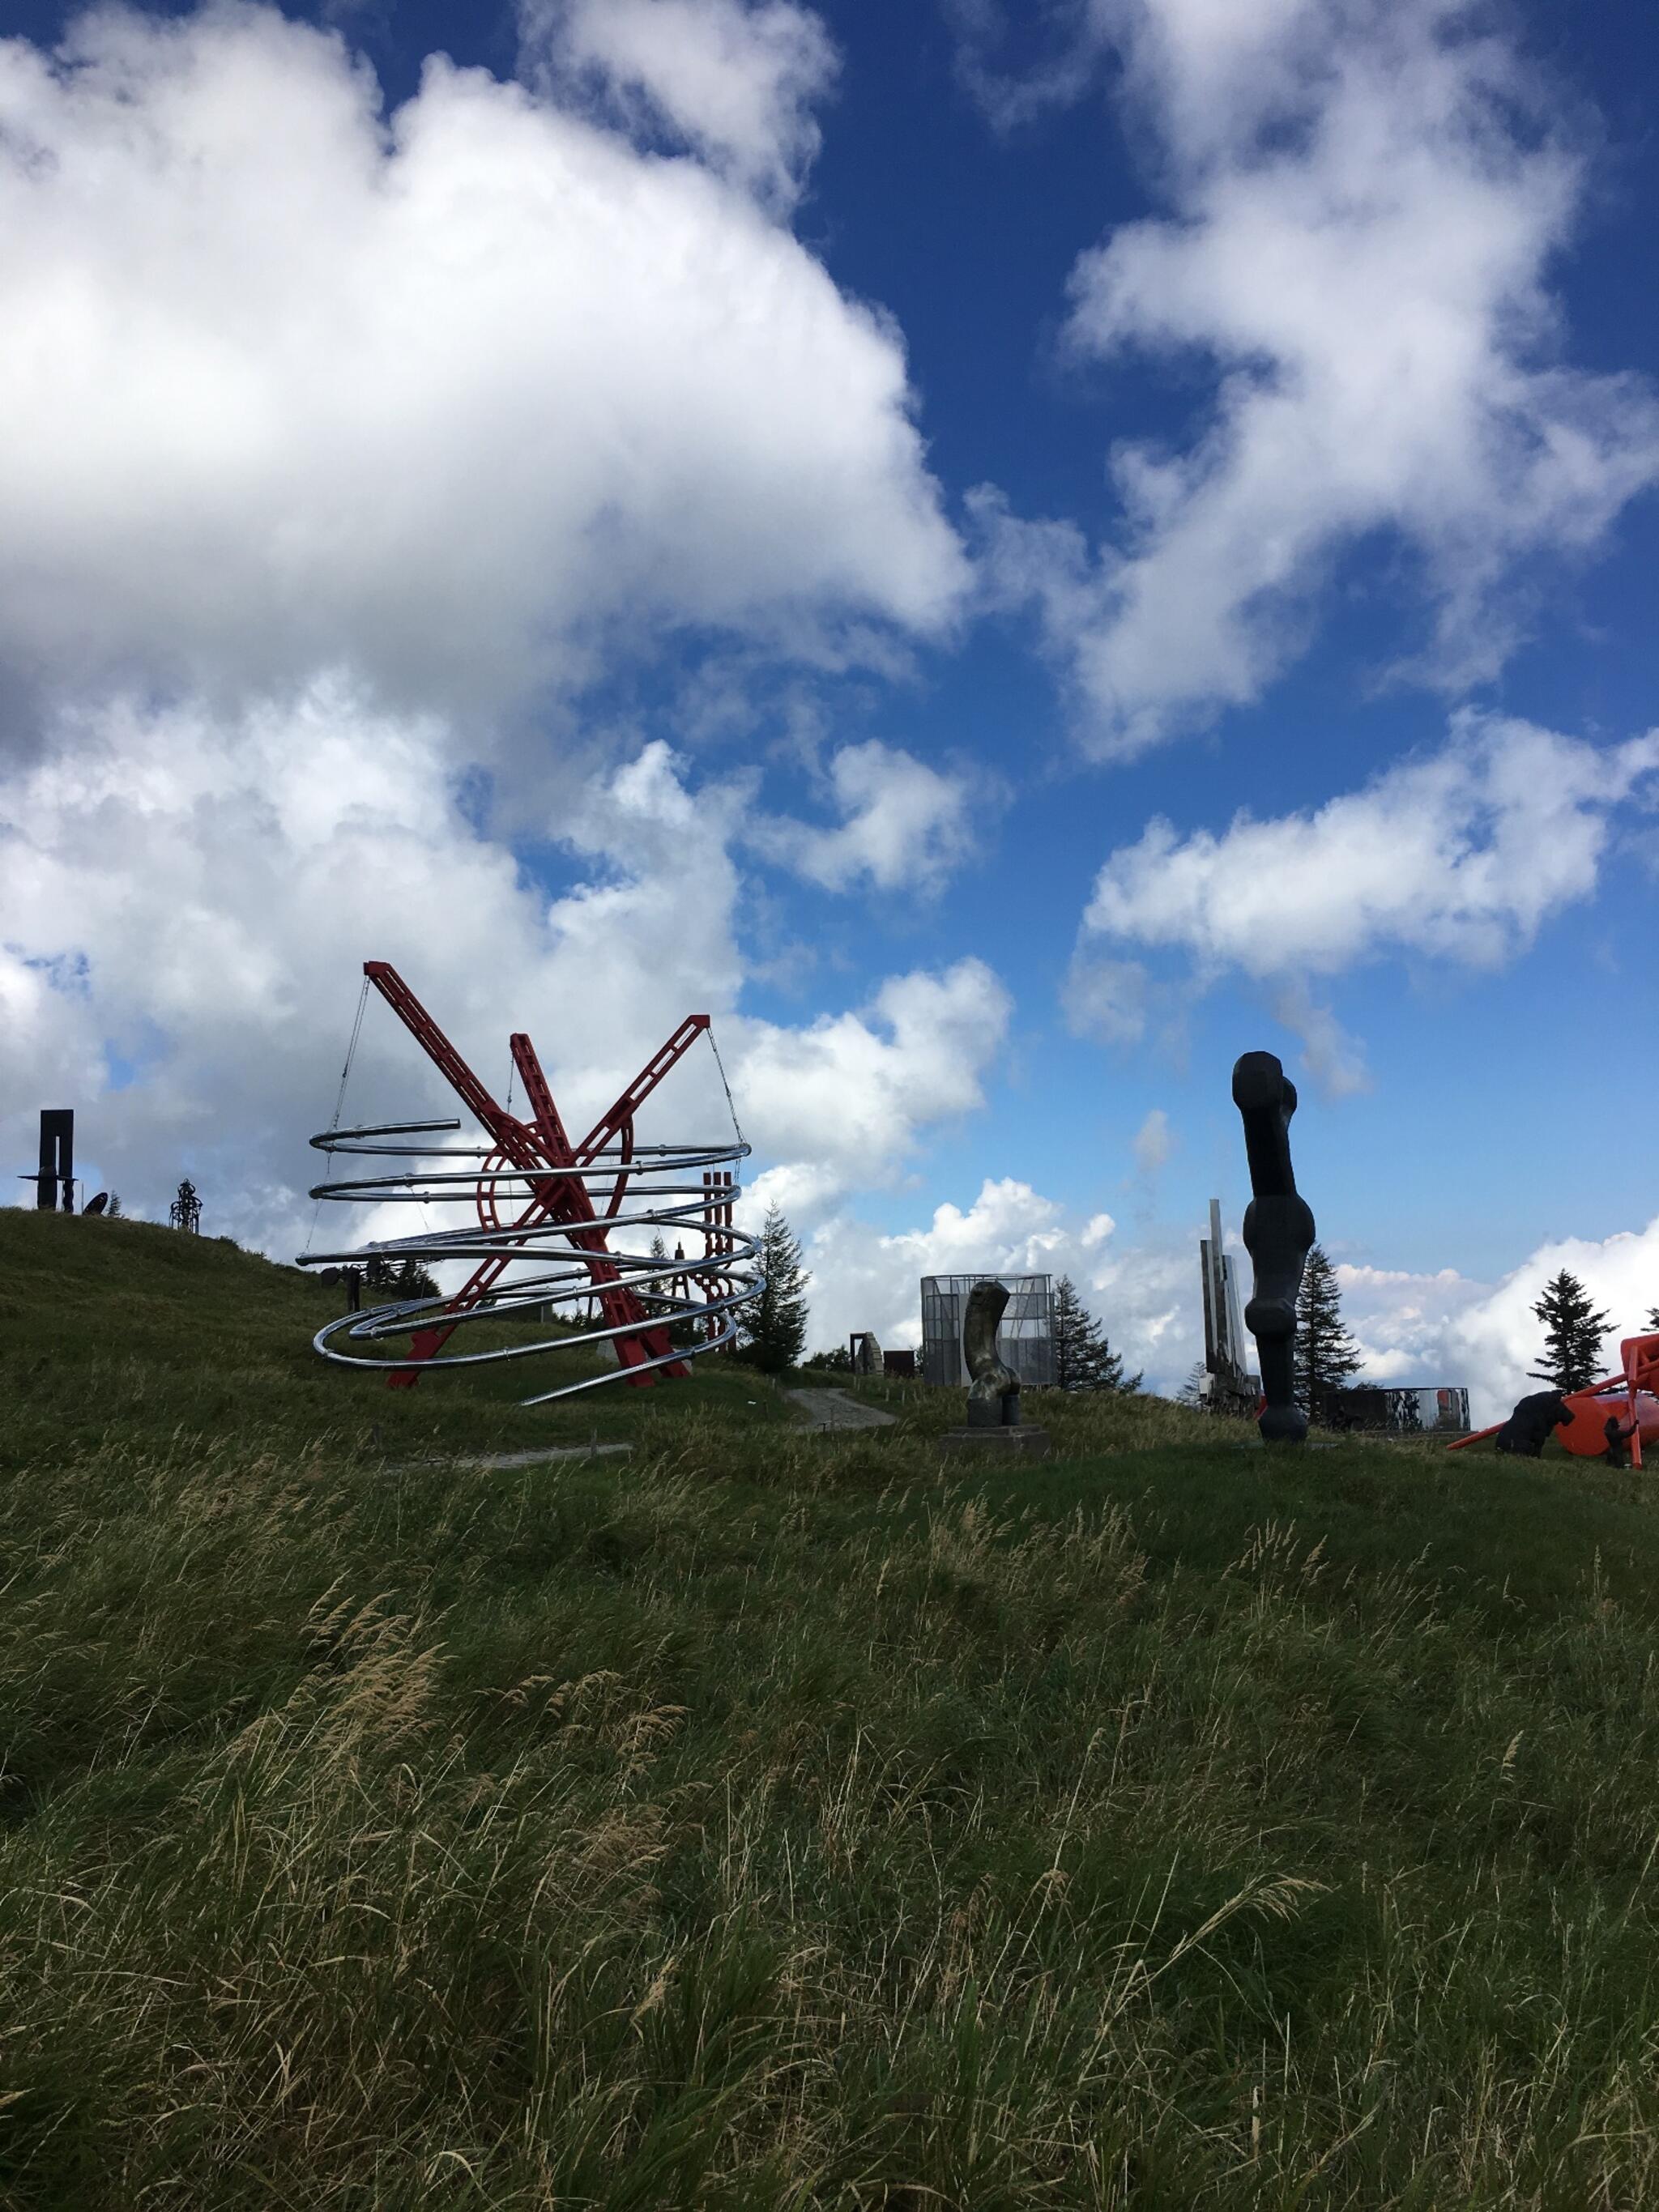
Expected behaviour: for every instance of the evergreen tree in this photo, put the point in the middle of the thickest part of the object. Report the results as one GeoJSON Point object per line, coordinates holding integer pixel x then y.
{"type": "Point", "coordinates": [1326, 1355]}
{"type": "Point", "coordinates": [773, 1324]}
{"type": "Point", "coordinates": [1191, 1392]}
{"type": "Point", "coordinates": [1653, 1319]}
{"type": "Point", "coordinates": [1083, 1360]}
{"type": "Point", "coordinates": [1572, 1334]}
{"type": "Point", "coordinates": [838, 1360]}
{"type": "Point", "coordinates": [412, 1280]}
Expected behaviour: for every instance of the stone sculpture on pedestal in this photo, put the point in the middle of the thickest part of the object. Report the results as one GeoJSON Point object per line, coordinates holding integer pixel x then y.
{"type": "Point", "coordinates": [1278, 1234]}
{"type": "Point", "coordinates": [994, 1422]}
{"type": "Point", "coordinates": [994, 1393]}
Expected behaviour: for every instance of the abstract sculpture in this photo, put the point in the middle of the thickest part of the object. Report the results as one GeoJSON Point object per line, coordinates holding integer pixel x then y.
{"type": "Point", "coordinates": [994, 1392]}
{"type": "Point", "coordinates": [1278, 1234]}
{"type": "Point", "coordinates": [993, 1424]}
{"type": "Point", "coordinates": [538, 1199]}
{"type": "Point", "coordinates": [54, 1179]}
{"type": "Point", "coordinates": [1528, 1427]}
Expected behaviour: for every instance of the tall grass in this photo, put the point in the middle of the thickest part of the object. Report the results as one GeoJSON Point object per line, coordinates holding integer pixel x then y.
{"type": "Point", "coordinates": [778, 1821]}
{"type": "Point", "coordinates": [788, 1826]}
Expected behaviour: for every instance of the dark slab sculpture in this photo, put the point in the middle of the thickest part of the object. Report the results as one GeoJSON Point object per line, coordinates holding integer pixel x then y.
{"type": "Point", "coordinates": [55, 1180]}
{"type": "Point", "coordinates": [1278, 1234]}
{"type": "Point", "coordinates": [1528, 1428]}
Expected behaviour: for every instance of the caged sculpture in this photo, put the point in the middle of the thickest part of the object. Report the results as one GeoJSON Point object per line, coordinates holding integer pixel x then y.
{"type": "Point", "coordinates": [1279, 1234]}
{"type": "Point", "coordinates": [557, 1229]}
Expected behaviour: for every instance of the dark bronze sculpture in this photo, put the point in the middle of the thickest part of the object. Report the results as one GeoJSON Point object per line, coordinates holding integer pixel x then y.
{"type": "Point", "coordinates": [1528, 1428]}
{"type": "Point", "coordinates": [1278, 1234]}
{"type": "Point", "coordinates": [994, 1393]}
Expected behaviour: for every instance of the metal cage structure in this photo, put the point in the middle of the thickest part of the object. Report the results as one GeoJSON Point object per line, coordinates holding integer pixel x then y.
{"type": "Point", "coordinates": [1400, 1409]}
{"type": "Point", "coordinates": [1025, 1337]}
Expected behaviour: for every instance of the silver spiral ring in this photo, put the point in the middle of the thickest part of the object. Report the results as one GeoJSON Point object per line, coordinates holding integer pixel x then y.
{"type": "Point", "coordinates": [633, 1191]}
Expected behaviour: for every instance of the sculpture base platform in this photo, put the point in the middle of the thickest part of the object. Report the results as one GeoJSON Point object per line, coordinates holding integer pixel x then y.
{"type": "Point", "coordinates": [1025, 1440]}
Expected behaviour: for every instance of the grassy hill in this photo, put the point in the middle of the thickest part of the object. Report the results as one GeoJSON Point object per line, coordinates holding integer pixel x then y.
{"type": "Point", "coordinates": [774, 1820]}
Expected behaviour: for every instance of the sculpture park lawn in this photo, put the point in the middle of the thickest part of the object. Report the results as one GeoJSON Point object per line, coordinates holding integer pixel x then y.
{"type": "Point", "coordinates": [771, 1819]}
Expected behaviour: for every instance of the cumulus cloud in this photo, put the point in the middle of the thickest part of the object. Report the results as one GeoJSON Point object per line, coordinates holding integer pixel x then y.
{"type": "Point", "coordinates": [847, 1091]}
{"type": "Point", "coordinates": [1152, 1142]}
{"type": "Point", "coordinates": [1461, 854]}
{"type": "Point", "coordinates": [1365, 199]}
{"type": "Point", "coordinates": [449, 397]}
{"type": "Point", "coordinates": [737, 82]}
{"type": "Point", "coordinates": [184, 907]}
{"type": "Point", "coordinates": [904, 825]}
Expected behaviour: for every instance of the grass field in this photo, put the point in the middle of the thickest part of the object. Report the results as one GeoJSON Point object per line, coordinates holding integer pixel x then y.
{"type": "Point", "coordinates": [777, 1820]}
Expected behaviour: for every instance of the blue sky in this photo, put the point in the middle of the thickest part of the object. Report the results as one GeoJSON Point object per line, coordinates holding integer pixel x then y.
{"type": "Point", "coordinates": [782, 503]}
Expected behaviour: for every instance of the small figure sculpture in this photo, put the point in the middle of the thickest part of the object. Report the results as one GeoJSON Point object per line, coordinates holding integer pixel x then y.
{"type": "Point", "coordinates": [1278, 1234]}
{"type": "Point", "coordinates": [1528, 1428]}
{"type": "Point", "coordinates": [994, 1394]}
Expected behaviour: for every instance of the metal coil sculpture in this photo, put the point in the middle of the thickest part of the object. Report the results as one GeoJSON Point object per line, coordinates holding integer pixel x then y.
{"type": "Point", "coordinates": [636, 1192]}
{"type": "Point", "coordinates": [543, 1204]}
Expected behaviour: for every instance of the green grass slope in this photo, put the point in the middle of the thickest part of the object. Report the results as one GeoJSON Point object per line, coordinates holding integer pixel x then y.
{"type": "Point", "coordinates": [122, 1331]}
{"type": "Point", "coordinates": [772, 1820]}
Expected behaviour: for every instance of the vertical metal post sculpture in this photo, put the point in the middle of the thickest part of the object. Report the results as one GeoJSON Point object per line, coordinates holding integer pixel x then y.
{"type": "Point", "coordinates": [1278, 1234]}
{"type": "Point", "coordinates": [57, 1170]}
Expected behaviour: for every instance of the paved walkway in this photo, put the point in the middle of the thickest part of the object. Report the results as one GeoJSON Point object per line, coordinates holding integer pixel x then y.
{"type": "Point", "coordinates": [541, 1457]}
{"type": "Point", "coordinates": [833, 1409]}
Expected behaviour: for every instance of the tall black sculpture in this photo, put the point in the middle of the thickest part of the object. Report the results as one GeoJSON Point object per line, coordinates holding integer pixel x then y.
{"type": "Point", "coordinates": [54, 1182]}
{"type": "Point", "coordinates": [1278, 1234]}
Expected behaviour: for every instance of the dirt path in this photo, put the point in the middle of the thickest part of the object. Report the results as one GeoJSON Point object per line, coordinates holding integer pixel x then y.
{"type": "Point", "coordinates": [833, 1409]}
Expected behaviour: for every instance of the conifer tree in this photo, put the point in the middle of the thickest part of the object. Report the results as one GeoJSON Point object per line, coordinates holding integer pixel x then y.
{"type": "Point", "coordinates": [1653, 1319]}
{"type": "Point", "coordinates": [1083, 1360]}
{"type": "Point", "coordinates": [1191, 1392]}
{"type": "Point", "coordinates": [1573, 1331]}
{"type": "Point", "coordinates": [774, 1324]}
{"type": "Point", "coordinates": [1326, 1355]}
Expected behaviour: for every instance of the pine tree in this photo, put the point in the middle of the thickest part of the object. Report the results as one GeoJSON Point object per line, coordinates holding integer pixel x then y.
{"type": "Point", "coordinates": [1326, 1355]}
{"type": "Point", "coordinates": [1653, 1319]}
{"type": "Point", "coordinates": [773, 1324]}
{"type": "Point", "coordinates": [410, 1280]}
{"type": "Point", "coordinates": [1573, 1331]}
{"type": "Point", "coordinates": [1083, 1360]}
{"type": "Point", "coordinates": [1191, 1392]}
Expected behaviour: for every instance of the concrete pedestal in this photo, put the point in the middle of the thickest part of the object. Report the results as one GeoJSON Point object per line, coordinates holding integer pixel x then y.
{"type": "Point", "coordinates": [1025, 1440]}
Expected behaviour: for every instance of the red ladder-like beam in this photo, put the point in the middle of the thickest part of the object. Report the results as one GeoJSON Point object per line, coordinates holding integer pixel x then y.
{"type": "Point", "coordinates": [619, 1305]}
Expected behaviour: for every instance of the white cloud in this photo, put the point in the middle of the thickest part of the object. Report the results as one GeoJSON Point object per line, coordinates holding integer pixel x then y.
{"type": "Point", "coordinates": [736, 82]}
{"type": "Point", "coordinates": [1462, 855]}
{"type": "Point", "coordinates": [1105, 998]}
{"type": "Point", "coordinates": [848, 1091]}
{"type": "Point", "coordinates": [1152, 1142]}
{"type": "Point", "coordinates": [183, 908]}
{"type": "Point", "coordinates": [444, 399]}
{"type": "Point", "coordinates": [904, 825]}
{"type": "Point", "coordinates": [1365, 196]}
